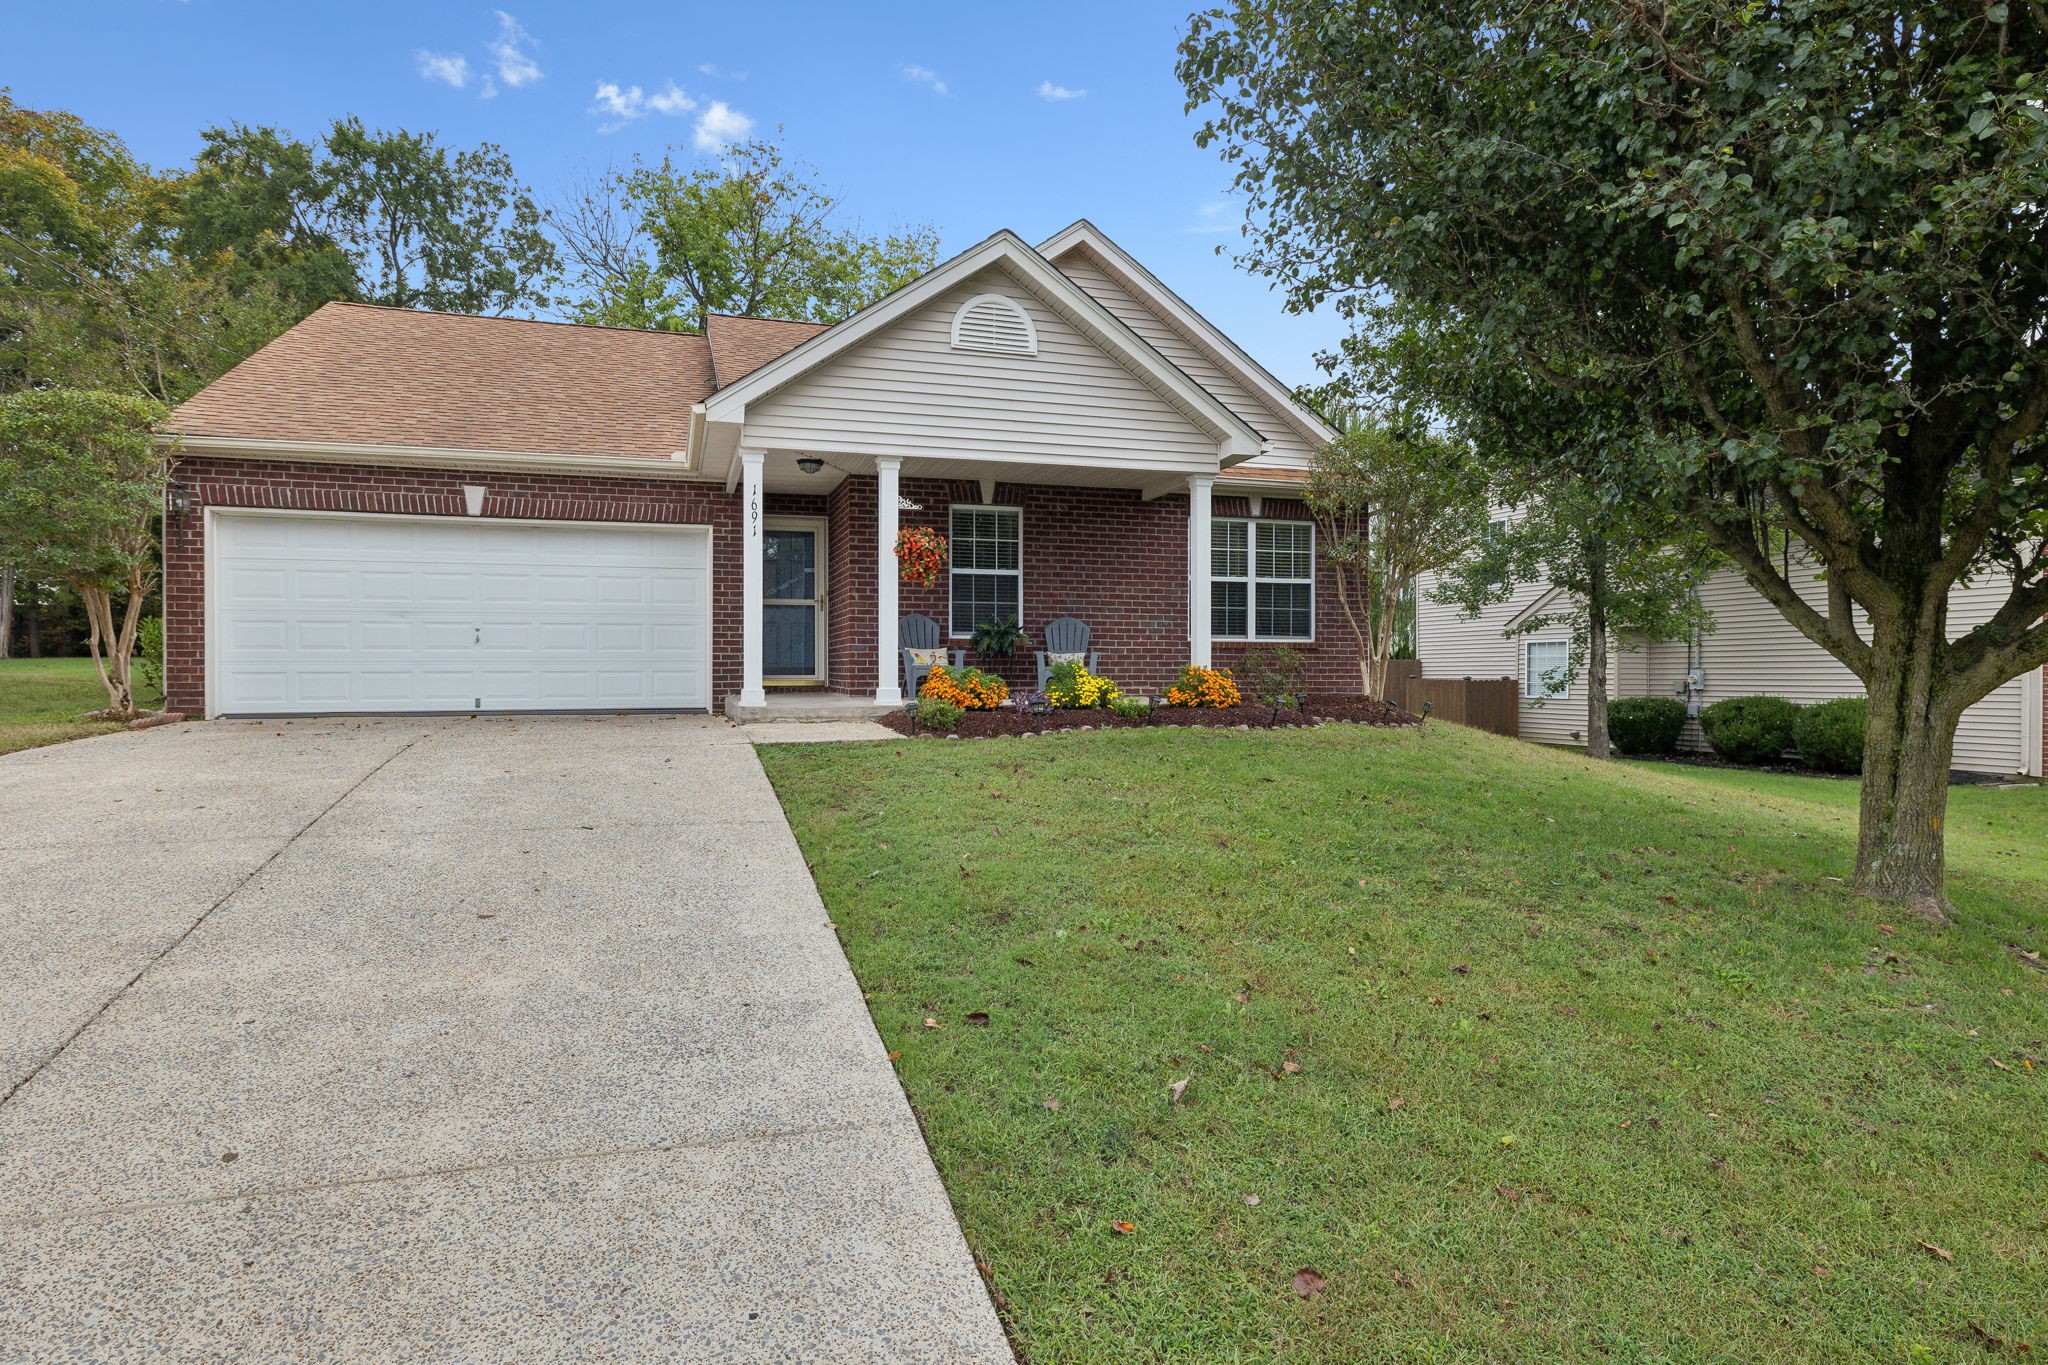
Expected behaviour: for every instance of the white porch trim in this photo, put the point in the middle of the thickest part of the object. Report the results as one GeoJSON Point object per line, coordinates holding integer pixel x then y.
{"type": "Point", "coordinates": [888, 498]}
{"type": "Point", "coordinates": [751, 579]}
{"type": "Point", "coordinates": [1201, 488]}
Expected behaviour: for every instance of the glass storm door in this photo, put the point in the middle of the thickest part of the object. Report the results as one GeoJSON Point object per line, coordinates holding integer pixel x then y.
{"type": "Point", "coordinates": [793, 601]}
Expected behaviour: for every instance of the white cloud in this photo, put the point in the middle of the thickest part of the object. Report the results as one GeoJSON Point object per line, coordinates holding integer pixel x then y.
{"type": "Point", "coordinates": [1217, 216]}
{"type": "Point", "coordinates": [623, 104]}
{"type": "Point", "coordinates": [719, 73]}
{"type": "Point", "coordinates": [924, 75]}
{"type": "Point", "coordinates": [1048, 91]}
{"type": "Point", "coordinates": [511, 50]}
{"type": "Point", "coordinates": [720, 126]}
{"type": "Point", "coordinates": [450, 69]}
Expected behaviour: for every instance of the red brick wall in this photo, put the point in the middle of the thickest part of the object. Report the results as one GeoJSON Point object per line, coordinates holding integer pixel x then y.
{"type": "Point", "coordinates": [434, 492]}
{"type": "Point", "coordinates": [1104, 555]}
{"type": "Point", "coordinates": [1109, 557]}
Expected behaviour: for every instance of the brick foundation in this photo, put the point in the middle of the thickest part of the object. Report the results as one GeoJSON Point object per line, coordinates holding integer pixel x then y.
{"type": "Point", "coordinates": [1105, 555]}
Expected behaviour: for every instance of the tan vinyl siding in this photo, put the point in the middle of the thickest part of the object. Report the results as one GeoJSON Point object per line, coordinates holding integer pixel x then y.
{"type": "Point", "coordinates": [907, 391]}
{"type": "Point", "coordinates": [1752, 651]}
{"type": "Point", "coordinates": [1288, 449]}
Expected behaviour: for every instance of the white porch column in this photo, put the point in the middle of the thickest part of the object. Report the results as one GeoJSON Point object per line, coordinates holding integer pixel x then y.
{"type": "Point", "coordinates": [888, 689]}
{"type": "Point", "coordinates": [1200, 487]}
{"type": "Point", "coordinates": [751, 693]}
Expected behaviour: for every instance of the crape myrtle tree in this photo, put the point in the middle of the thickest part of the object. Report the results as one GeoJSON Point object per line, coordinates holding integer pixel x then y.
{"type": "Point", "coordinates": [1390, 504]}
{"type": "Point", "coordinates": [1803, 241]}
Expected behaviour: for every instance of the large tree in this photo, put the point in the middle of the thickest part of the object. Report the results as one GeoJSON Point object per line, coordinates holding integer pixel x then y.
{"type": "Point", "coordinates": [378, 216]}
{"type": "Point", "coordinates": [660, 245]}
{"type": "Point", "coordinates": [81, 488]}
{"type": "Point", "coordinates": [1804, 241]}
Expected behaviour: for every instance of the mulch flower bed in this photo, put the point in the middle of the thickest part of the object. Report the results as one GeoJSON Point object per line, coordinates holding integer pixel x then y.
{"type": "Point", "coordinates": [1007, 720]}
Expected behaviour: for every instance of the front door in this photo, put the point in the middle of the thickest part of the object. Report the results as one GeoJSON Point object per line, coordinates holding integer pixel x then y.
{"type": "Point", "coordinates": [793, 631]}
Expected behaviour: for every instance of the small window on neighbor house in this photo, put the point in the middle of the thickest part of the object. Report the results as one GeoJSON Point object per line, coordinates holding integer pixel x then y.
{"type": "Point", "coordinates": [992, 322]}
{"type": "Point", "coordinates": [1546, 666]}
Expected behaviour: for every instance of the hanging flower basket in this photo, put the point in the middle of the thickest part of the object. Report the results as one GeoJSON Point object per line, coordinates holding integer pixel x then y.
{"type": "Point", "coordinates": [920, 554]}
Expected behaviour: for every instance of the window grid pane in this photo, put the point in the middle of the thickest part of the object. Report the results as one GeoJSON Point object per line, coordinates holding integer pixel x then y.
{"type": "Point", "coordinates": [1227, 611]}
{"type": "Point", "coordinates": [1283, 612]}
{"type": "Point", "coordinates": [981, 597]}
{"type": "Point", "coordinates": [985, 539]}
{"type": "Point", "coordinates": [1227, 553]}
{"type": "Point", "coordinates": [1284, 550]}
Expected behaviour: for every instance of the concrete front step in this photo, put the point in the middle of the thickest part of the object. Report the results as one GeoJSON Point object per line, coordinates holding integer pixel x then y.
{"type": "Point", "coordinates": [804, 707]}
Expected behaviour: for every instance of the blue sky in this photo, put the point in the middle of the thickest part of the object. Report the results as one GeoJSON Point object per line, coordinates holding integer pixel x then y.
{"type": "Point", "coordinates": [967, 116]}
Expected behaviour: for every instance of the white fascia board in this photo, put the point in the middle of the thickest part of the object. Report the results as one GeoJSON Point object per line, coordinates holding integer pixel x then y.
{"type": "Point", "coordinates": [1035, 273]}
{"type": "Point", "coordinates": [1132, 273]}
{"type": "Point", "coordinates": [1544, 602]}
{"type": "Point", "coordinates": [430, 457]}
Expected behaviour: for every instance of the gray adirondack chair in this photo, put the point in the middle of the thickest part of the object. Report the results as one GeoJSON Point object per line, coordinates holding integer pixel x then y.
{"type": "Point", "coordinates": [1068, 635]}
{"type": "Point", "coordinates": [921, 632]}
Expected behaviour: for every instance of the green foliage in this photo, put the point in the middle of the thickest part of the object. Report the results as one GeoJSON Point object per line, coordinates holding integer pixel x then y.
{"type": "Point", "coordinates": [1829, 735]}
{"type": "Point", "coordinates": [81, 483]}
{"type": "Point", "coordinates": [1130, 708]}
{"type": "Point", "coordinates": [149, 652]}
{"type": "Point", "coordinates": [660, 246]}
{"type": "Point", "coordinates": [383, 216]}
{"type": "Point", "coordinates": [1000, 639]}
{"type": "Point", "coordinates": [1750, 729]}
{"type": "Point", "coordinates": [1274, 675]}
{"type": "Point", "coordinates": [91, 296]}
{"type": "Point", "coordinates": [1646, 725]}
{"type": "Point", "coordinates": [935, 713]}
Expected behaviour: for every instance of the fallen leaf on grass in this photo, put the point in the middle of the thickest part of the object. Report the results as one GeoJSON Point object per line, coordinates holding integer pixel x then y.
{"type": "Point", "coordinates": [1886, 930]}
{"type": "Point", "coordinates": [930, 1022]}
{"type": "Point", "coordinates": [1052, 1104]}
{"type": "Point", "coordinates": [896, 1056]}
{"type": "Point", "coordinates": [1252, 1200]}
{"type": "Point", "coordinates": [1938, 1251]}
{"type": "Point", "coordinates": [1293, 1068]}
{"type": "Point", "coordinates": [1123, 1228]}
{"type": "Point", "coordinates": [1462, 970]}
{"type": "Point", "coordinates": [1307, 1283]}
{"type": "Point", "coordinates": [1178, 1088]}
{"type": "Point", "coordinates": [2000, 1065]}
{"type": "Point", "coordinates": [1508, 1192]}
{"type": "Point", "coordinates": [979, 1018]}
{"type": "Point", "coordinates": [1404, 1282]}
{"type": "Point", "coordinates": [1822, 1272]}
{"type": "Point", "coordinates": [1395, 1103]}
{"type": "Point", "coordinates": [2039, 1155]}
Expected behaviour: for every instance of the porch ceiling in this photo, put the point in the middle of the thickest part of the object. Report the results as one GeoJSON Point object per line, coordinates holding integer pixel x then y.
{"type": "Point", "coordinates": [780, 474]}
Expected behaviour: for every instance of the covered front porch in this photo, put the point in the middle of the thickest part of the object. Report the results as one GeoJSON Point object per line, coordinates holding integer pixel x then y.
{"type": "Point", "coordinates": [823, 598]}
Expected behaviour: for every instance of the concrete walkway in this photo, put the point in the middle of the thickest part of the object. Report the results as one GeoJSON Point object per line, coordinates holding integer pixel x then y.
{"type": "Point", "coordinates": [449, 1040]}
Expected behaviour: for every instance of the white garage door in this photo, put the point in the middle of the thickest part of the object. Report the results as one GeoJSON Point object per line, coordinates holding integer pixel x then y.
{"type": "Point", "coordinates": [329, 614]}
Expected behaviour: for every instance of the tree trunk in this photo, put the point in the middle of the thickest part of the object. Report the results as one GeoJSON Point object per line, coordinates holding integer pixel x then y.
{"type": "Point", "coordinates": [1597, 744]}
{"type": "Point", "coordinates": [6, 613]}
{"type": "Point", "coordinates": [105, 640]}
{"type": "Point", "coordinates": [1908, 742]}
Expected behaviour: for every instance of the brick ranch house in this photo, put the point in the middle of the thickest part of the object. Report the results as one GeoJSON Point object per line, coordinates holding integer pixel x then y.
{"type": "Point", "coordinates": [386, 510]}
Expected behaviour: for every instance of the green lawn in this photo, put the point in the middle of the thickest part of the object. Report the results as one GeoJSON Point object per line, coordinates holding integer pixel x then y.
{"type": "Point", "coordinates": [42, 700]}
{"type": "Point", "coordinates": [1595, 1063]}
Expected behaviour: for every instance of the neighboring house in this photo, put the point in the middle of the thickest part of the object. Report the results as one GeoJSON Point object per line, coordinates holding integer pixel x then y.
{"type": "Point", "coordinates": [386, 510]}
{"type": "Point", "coordinates": [1752, 650]}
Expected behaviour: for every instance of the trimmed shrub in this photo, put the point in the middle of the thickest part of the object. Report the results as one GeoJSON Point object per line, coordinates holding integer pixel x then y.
{"type": "Point", "coordinates": [1199, 686]}
{"type": "Point", "coordinates": [149, 651]}
{"type": "Point", "coordinates": [935, 713]}
{"type": "Point", "coordinates": [1131, 708]}
{"type": "Point", "coordinates": [1830, 735]}
{"type": "Point", "coordinates": [1750, 729]}
{"type": "Point", "coordinates": [1646, 725]}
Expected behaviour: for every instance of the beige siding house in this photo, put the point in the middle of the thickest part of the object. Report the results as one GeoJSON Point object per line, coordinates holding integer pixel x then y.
{"type": "Point", "coordinates": [1751, 651]}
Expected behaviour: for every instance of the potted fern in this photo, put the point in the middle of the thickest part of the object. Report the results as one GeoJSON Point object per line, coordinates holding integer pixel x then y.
{"type": "Point", "coordinates": [1000, 639]}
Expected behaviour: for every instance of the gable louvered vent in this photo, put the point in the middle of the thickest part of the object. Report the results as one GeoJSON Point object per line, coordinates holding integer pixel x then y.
{"type": "Point", "coordinates": [990, 322]}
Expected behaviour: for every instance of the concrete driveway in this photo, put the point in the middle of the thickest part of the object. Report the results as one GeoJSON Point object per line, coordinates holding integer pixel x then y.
{"type": "Point", "coordinates": [494, 1040]}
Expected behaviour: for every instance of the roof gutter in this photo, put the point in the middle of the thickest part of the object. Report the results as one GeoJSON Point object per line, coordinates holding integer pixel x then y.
{"type": "Point", "coordinates": [431, 457]}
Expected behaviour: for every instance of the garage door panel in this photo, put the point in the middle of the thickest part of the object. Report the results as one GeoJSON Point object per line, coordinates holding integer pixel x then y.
{"type": "Point", "coordinates": [321, 613]}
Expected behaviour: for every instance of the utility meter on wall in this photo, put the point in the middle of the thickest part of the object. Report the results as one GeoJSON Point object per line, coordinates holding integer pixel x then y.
{"type": "Point", "coordinates": [1692, 689]}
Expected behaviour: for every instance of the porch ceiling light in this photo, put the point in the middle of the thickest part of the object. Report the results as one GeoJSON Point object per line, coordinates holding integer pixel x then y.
{"type": "Point", "coordinates": [810, 464]}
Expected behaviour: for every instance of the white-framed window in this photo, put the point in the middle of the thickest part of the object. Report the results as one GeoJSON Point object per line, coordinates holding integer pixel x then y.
{"type": "Point", "coordinates": [987, 571]}
{"type": "Point", "coordinates": [1262, 579]}
{"type": "Point", "coordinates": [994, 322]}
{"type": "Point", "coordinates": [1546, 669]}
